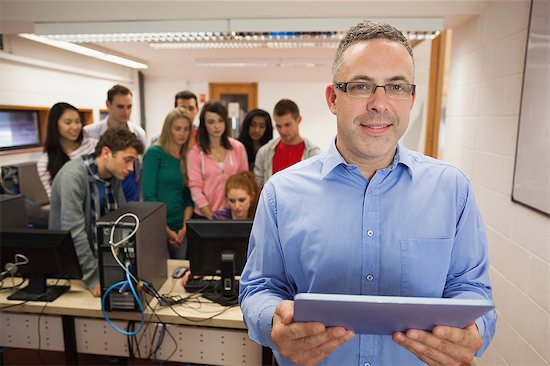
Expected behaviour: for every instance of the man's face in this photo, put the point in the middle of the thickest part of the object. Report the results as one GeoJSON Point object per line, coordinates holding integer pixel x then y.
{"type": "Point", "coordinates": [369, 128]}
{"type": "Point", "coordinates": [120, 109]}
{"type": "Point", "coordinates": [120, 163]}
{"type": "Point", "coordinates": [190, 105]}
{"type": "Point", "coordinates": [288, 128]}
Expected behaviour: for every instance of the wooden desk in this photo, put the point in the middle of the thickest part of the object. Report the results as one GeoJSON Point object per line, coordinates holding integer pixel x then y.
{"type": "Point", "coordinates": [74, 323]}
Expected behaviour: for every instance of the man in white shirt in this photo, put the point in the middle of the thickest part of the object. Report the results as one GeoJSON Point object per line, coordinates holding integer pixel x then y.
{"type": "Point", "coordinates": [119, 105]}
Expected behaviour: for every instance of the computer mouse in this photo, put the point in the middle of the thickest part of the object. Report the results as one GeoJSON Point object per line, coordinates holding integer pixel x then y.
{"type": "Point", "coordinates": [179, 272]}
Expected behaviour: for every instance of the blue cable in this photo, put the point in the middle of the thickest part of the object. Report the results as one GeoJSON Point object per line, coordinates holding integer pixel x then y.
{"type": "Point", "coordinates": [121, 283]}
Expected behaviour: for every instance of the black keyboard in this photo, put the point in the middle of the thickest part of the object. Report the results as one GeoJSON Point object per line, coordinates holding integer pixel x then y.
{"type": "Point", "coordinates": [201, 285]}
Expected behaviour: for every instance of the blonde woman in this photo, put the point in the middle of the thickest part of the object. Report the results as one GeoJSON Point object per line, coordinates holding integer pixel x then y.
{"type": "Point", "coordinates": [165, 177]}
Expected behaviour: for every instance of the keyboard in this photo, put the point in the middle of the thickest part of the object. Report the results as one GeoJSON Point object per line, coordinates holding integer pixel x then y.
{"type": "Point", "coordinates": [201, 285]}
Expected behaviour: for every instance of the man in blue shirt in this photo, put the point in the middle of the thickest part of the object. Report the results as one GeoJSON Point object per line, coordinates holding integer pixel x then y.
{"type": "Point", "coordinates": [367, 217]}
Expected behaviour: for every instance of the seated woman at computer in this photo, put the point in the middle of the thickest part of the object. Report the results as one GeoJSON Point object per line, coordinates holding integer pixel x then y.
{"type": "Point", "coordinates": [241, 196]}
{"type": "Point", "coordinates": [65, 141]}
{"type": "Point", "coordinates": [214, 158]}
{"type": "Point", "coordinates": [165, 177]}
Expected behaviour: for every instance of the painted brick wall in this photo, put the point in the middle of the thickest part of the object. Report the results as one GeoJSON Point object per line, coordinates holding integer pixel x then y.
{"type": "Point", "coordinates": [484, 95]}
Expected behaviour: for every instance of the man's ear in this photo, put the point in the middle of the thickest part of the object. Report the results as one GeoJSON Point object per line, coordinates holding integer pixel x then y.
{"type": "Point", "coordinates": [108, 104]}
{"type": "Point", "coordinates": [299, 119]}
{"type": "Point", "coordinates": [330, 95]}
{"type": "Point", "coordinates": [105, 151]}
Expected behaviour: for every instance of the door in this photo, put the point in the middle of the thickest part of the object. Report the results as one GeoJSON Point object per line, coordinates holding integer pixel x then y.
{"type": "Point", "coordinates": [238, 98]}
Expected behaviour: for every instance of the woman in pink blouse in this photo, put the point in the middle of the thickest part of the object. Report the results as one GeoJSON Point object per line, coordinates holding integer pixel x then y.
{"type": "Point", "coordinates": [214, 158]}
{"type": "Point", "coordinates": [65, 141]}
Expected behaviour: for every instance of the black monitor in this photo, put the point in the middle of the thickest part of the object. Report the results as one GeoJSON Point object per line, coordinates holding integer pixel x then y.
{"type": "Point", "coordinates": [38, 255]}
{"type": "Point", "coordinates": [218, 248]}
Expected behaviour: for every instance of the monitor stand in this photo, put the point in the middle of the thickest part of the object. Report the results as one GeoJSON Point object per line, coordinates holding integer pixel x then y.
{"type": "Point", "coordinates": [37, 290]}
{"type": "Point", "coordinates": [227, 293]}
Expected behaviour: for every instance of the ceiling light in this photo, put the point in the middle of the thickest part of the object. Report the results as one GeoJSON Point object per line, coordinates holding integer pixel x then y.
{"type": "Point", "coordinates": [199, 40]}
{"type": "Point", "coordinates": [68, 46]}
{"type": "Point", "coordinates": [262, 63]}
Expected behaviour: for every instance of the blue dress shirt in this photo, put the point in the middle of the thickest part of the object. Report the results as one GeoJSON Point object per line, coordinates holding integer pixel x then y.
{"type": "Point", "coordinates": [413, 230]}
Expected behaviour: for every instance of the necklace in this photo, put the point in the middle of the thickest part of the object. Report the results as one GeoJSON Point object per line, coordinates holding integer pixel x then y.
{"type": "Point", "coordinates": [218, 154]}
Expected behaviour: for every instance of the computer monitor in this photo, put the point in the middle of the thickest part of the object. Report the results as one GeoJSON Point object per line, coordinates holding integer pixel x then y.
{"type": "Point", "coordinates": [38, 255]}
{"type": "Point", "coordinates": [218, 248]}
{"type": "Point", "coordinates": [18, 129]}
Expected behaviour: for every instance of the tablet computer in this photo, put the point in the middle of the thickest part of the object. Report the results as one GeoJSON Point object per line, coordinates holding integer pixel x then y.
{"type": "Point", "coordinates": [387, 314]}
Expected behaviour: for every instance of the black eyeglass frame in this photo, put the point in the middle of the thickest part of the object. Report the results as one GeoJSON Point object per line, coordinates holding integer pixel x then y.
{"type": "Point", "coordinates": [344, 87]}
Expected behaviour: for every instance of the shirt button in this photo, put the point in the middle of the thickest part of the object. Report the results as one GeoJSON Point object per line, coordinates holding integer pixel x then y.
{"type": "Point", "coordinates": [370, 277]}
{"type": "Point", "coordinates": [370, 233]}
{"type": "Point", "coordinates": [367, 364]}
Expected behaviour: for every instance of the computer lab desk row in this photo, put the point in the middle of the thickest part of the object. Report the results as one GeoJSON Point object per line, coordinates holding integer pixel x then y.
{"type": "Point", "coordinates": [74, 323]}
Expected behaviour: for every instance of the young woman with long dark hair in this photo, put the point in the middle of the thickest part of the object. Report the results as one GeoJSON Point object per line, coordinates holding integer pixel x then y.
{"type": "Point", "coordinates": [214, 158]}
{"type": "Point", "coordinates": [65, 140]}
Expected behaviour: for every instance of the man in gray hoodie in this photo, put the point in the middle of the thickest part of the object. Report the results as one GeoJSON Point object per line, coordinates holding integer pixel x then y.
{"type": "Point", "coordinates": [89, 187]}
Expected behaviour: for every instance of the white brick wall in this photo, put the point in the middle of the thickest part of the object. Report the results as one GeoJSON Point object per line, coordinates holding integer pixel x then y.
{"type": "Point", "coordinates": [485, 80]}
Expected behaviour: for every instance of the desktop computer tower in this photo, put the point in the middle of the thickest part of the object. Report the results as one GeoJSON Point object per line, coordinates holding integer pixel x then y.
{"type": "Point", "coordinates": [146, 252]}
{"type": "Point", "coordinates": [23, 179]}
{"type": "Point", "coordinates": [12, 211]}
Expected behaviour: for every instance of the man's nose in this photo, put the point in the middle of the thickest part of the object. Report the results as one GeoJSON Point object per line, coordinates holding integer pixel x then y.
{"type": "Point", "coordinates": [378, 101]}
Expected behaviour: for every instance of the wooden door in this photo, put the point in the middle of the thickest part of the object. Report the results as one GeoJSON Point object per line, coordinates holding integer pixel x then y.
{"type": "Point", "coordinates": [238, 98]}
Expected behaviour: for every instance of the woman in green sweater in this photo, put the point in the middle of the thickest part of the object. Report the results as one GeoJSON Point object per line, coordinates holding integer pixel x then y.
{"type": "Point", "coordinates": [165, 177]}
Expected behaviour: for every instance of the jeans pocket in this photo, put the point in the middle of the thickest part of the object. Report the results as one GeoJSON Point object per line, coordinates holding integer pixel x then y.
{"type": "Point", "coordinates": [424, 266]}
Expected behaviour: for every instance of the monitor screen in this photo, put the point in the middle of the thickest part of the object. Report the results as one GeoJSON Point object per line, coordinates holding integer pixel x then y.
{"type": "Point", "coordinates": [207, 239]}
{"type": "Point", "coordinates": [39, 254]}
{"type": "Point", "coordinates": [18, 129]}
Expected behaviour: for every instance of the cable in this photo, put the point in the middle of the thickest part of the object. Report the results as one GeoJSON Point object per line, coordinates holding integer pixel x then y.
{"type": "Point", "coordinates": [136, 227]}
{"type": "Point", "coordinates": [39, 316]}
{"type": "Point", "coordinates": [121, 283]}
{"type": "Point", "coordinates": [115, 255]}
{"type": "Point", "coordinates": [2, 287]}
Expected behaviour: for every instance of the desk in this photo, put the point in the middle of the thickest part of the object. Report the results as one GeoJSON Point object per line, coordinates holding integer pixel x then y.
{"type": "Point", "coordinates": [74, 323]}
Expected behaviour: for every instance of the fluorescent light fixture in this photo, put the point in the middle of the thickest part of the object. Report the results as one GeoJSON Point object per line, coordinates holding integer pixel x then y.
{"type": "Point", "coordinates": [262, 63]}
{"type": "Point", "coordinates": [68, 46]}
{"type": "Point", "coordinates": [196, 36]}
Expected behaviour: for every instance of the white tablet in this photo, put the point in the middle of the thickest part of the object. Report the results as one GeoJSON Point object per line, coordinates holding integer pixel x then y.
{"type": "Point", "coordinates": [387, 314]}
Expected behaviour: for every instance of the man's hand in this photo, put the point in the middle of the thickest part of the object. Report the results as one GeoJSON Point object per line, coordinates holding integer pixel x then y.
{"type": "Point", "coordinates": [304, 343]}
{"type": "Point", "coordinates": [96, 290]}
{"type": "Point", "coordinates": [444, 346]}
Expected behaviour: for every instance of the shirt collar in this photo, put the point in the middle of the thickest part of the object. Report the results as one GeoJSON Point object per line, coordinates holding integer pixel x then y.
{"type": "Point", "coordinates": [91, 165]}
{"type": "Point", "coordinates": [333, 158]}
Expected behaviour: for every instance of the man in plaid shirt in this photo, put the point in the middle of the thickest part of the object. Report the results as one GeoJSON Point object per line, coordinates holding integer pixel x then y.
{"type": "Point", "coordinates": [87, 188]}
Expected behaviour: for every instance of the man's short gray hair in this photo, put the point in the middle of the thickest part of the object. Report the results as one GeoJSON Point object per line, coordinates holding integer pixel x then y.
{"type": "Point", "coordinates": [364, 31]}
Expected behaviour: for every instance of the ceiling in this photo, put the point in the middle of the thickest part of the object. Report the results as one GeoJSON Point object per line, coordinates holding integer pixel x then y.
{"type": "Point", "coordinates": [75, 17]}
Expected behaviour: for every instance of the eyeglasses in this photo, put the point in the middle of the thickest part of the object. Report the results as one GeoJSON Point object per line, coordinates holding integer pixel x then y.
{"type": "Point", "coordinates": [363, 89]}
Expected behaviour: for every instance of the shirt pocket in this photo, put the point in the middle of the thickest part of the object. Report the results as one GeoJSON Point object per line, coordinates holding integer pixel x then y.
{"type": "Point", "coordinates": [424, 266]}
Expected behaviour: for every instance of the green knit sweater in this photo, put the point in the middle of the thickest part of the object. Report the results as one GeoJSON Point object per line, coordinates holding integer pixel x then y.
{"type": "Point", "coordinates": [162, 181]}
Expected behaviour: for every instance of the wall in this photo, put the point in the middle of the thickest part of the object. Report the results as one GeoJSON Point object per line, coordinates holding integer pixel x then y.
{"type": "Point", "coordinates": [36, 75]}
{"type": "Point", "coordinates": [318, 124]}
{"type": "Point", "coordinates": [485, 81]}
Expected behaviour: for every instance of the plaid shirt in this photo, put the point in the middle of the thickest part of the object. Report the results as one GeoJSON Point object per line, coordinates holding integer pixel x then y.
{"type": "Point", "coordinates": [110, 203]}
